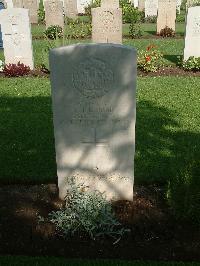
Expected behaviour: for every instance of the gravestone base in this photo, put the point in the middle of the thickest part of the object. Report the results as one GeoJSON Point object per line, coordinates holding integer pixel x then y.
{"type": "Point", "coordinates": [114, 186]}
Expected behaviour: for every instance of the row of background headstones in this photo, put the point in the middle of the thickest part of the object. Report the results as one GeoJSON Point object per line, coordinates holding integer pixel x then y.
{"type": "Point", "coordinates": [107, 28]}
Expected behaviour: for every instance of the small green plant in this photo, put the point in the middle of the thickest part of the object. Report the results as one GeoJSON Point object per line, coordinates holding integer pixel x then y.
{"type": "Point", "coordinates": [167, 32]}
{"type": "Point", "coordinates": [16, 70]}
{"type": "Point", "coordinates": [184, 192]}
{"type": "Point", "coordinates": [86, 212]}
{"type": "Point", "coordinates": [1, 66]}
{"type": "Point", "coordinates": [135, 30]}
{"type": "Point", "coordinates": [53, 32]}
{"type": "Point", "coordinates": [150, 60]}
{"type": "Point", "coordinates": [41, 12]}
{"type": "Point", "coordinates": [151, 19]}
{"type": "Point", "coordinates": [192, 64]}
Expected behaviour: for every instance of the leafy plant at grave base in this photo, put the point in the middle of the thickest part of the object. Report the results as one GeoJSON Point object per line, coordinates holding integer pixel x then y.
{"type": "Point", "coordinates": [151, 19]}
{"type": "Point", "coordinates": [184, 193]}
{"type": "Point", "coordinates": [53, 32]}
{"type": "Point", "coordinates": [41, 12]}
{"type": "Point", "coordinates": [77, 29]}
{"type": "Point", "coordinates": [86, 212]}
{"type": "Point", "coordinates": [135, 30]}
{"type": "Point", "coordinates": [16, 70]}
{"type": "Point", "coordinates": [167, 32]}
{"type": "Point", "coordinates": [192, 64]}
{"type": "Point", "coordinates": [1, 66]}
{"type": "Point", "coordinates": [151, 59]}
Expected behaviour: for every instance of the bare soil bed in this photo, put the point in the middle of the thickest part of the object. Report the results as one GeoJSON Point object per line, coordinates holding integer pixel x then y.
{"type": "Point", "coordinates": [155, 234]}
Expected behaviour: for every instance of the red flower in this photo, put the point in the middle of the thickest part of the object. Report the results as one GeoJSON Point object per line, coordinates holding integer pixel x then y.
{"type": "Point", "coordinates": [148, 58]}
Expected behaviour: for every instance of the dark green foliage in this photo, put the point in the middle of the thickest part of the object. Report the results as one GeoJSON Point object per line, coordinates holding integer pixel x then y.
{"type": "Point", "coordinates": [54, 32]}
{"type": "Point", "coordinates": [184, 192]}
{"type": "Point", "coordinates": [167, 32]}
{"type": "Point", "coordinates": [131, 14]}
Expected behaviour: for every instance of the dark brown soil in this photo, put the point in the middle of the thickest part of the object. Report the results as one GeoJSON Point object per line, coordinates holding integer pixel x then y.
{"type": "Point", "coordinates": [165, 71]}
{"type": "Point", "coordinates": [154, 235]}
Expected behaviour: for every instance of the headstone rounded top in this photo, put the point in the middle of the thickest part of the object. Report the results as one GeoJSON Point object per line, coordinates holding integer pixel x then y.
{"type": "Point", "coordinates": [92, 45]}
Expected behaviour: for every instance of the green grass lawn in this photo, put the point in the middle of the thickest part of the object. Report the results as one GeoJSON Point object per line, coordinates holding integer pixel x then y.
{"type": "Point", "coordinates": [167, 131]}
{"type": "Point", "coordinates": [170, 48]}
{"type": "Point", "coordinates": [43, 261]}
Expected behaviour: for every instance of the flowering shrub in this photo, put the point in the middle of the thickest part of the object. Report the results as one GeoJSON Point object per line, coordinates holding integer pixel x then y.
{"type": "Point", "coordinates": [53, 32]}
{"type": "Point", "coordinates": [16, 70]}
{"type": "Point", "coordinates": [150, 60]}
{"type": "Point", "coordinates": [1, 66]}
{"type": "Point", "coordinates": [192, 64]}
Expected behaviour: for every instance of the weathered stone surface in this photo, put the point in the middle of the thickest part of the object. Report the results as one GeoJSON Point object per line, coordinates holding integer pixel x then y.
{"type": "Point", "coordinates": [107, 25]}
{"type": "Point", "coordinates": [17, 36]}
{"type": "Point", "coordinates": [166, 14]}
{"type": "Point", "coordinates": [18, 3]}
{"type": "Point", "coordinates": [192, 37]}
{"type": "Point", "coordinates": [151, 8]}
{"type": "Point", "coordinates": [93, 91]}
{"type": "Point", "coordinates": [70, 8]}
{"type": "Point", "coordinates": [110, 3]}
{"type": "Point", "coordinates": [141, 5]}
{"type": "Point", "coordinates": [32, 6]}
{"type": "Point", "coordinates": [54, 13]}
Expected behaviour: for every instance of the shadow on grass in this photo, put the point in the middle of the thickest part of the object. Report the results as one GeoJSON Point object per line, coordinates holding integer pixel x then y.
{"type": "Point", "coordinates": [162, 147]}
{"type": "Point", "coordinates": [172, 58]}
{"type": "Point", "coordinates": [27, 143]}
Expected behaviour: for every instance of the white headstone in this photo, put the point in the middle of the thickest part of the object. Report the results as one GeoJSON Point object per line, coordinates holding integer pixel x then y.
{"type": "Point", "coordinates": [151, 8]}
{"type": "Point", "coordinates": [166, 14]}
{"type": "Point", "coordinates": [70, 8]}
{"type": "Point", "coordinates": [107, 25]}
{"type": "Point", "coordinates": [178, 5]}
{"type": "Point", "coordinates": [32, 6]}
{"type": "Point", "coordinates": [110, 3]}
{"type": "Point", "coordinates": [135, 2]}
{"type": "Point", "coordinates": [17, 38]}
{"type": "Point", "coordinates": [192, 37]}
{"type": "Point", "coordinates": [81, 4]}
{"type": "Point", "coordinates": [54, 13]}
{"type": "Point", "coordinates": [94, 110]}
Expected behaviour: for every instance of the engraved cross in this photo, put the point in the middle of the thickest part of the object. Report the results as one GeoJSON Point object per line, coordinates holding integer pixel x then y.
{"type": "Point", "coordinates": [96, 142]}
